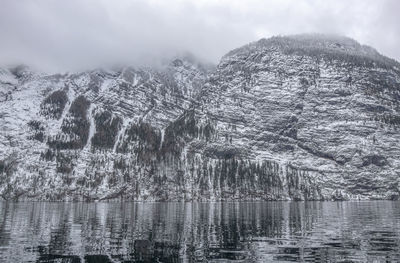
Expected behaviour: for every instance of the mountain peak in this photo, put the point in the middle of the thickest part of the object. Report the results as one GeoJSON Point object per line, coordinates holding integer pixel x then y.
{"type": "Point", "coordinates": [321, 46]}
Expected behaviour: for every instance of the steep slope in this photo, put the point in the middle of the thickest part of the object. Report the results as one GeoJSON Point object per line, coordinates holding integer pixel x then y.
{"type": "Point", "coordinates": [61, 133]}
{"type": "Point", "coordinates": [323, 104]}
{"type": "Point", "coordinates": [298, 117]}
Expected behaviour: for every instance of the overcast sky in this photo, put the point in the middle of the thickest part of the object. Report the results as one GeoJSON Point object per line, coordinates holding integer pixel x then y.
{"type": "Point", "coordinates": [74, 34]}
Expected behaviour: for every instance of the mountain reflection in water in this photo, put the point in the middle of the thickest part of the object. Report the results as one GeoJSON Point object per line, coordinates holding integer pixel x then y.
{"type": "Point", "coordinates": [200, 232]}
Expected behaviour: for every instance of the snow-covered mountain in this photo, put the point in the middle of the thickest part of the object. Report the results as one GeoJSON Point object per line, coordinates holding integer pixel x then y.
{"type": "Point", "coordinates": [297, 117]}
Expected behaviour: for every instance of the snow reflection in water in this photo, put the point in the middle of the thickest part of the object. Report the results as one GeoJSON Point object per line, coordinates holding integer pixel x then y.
{"type": "Point", "coordinates": [200, 232]}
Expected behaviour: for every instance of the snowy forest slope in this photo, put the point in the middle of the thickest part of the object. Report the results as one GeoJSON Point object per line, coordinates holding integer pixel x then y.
{"type": "Point", "coordinates": [299, 117]}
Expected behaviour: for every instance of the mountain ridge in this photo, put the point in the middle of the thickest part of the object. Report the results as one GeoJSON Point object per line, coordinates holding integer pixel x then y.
{"type": "Point", "coordinates": [278, 119]}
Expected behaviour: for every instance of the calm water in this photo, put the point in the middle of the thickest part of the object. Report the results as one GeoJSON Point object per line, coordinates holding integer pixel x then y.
{"type": "Point", "coordinates": [200, 232]}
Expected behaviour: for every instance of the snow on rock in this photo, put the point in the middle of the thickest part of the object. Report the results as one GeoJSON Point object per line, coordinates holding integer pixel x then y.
{"type": "Point", "coordinates": [299, 117]}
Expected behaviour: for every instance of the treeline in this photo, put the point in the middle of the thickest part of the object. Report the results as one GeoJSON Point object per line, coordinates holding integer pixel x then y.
{"type": "Point", "coordinates": [54, 104]}
{"type": "Point", "coordinates": [184, 129]}
{"type": "Point", "coordinates": [332, 49]}
{"type": "Point", "coordinates": [107, 127]}
{"type": "Point", "coordinates": [143, 140]}
{"type": "Point", "coordinates": [149, 143]}
{"type": "Point", "coordinates": [38, 130]}
{"type": "Point", "coordinates": [388, 118]}
{"type": "Point", "coordinates": [76, 125]}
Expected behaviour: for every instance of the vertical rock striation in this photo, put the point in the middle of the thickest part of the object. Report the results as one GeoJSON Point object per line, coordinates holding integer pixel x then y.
{"type": "Point", "coordinates": [306, 117]}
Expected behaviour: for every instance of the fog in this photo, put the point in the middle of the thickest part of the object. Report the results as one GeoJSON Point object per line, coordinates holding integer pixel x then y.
{"type": "Point", "coordinates": [79, 34]}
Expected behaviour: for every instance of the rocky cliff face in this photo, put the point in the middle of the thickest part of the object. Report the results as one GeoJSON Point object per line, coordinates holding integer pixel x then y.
{"type": "Point", "coordinates": [299, 117]}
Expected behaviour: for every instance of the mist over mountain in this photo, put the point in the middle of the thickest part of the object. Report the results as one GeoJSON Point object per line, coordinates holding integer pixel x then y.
{"type": "Point", "coordinates": [301, 117]}
{"type": "Point", "coordinates": [60, 36]}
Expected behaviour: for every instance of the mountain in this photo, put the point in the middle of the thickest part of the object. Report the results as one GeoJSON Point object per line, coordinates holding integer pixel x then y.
{"type": "Point", "coordinates": [303, 117]}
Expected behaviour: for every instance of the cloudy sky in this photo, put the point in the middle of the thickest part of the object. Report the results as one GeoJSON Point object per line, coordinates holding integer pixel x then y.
{"type": "Point", "coordinates": [74, 34]}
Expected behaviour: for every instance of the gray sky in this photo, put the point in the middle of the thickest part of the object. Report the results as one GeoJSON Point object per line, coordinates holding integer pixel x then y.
{"type": "Point", "coordinates": [76, 34]}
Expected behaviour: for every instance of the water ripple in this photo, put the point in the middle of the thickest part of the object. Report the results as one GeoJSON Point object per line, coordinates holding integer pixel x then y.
{"type": "Point", "coordinates": [200, 232]}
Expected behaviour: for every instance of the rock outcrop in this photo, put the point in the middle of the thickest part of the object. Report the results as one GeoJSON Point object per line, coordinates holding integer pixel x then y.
{"type": "Point", "coordinates": [307, 117]}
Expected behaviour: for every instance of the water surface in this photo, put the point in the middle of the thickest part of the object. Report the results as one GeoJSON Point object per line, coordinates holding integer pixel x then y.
{"type": "Point", "coordinates": [200, 232]}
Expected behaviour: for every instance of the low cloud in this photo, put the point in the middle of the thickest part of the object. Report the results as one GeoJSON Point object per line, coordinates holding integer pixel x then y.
{"type": "Point", "coordinates": [78, 34]}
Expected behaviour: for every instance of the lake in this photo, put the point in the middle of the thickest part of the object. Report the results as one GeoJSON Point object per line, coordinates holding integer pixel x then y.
{"type": "Point", "coordinates": [365, 231]}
